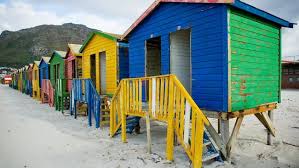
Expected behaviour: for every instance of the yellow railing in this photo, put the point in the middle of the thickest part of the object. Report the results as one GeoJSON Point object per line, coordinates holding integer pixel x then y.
{"type": "Point", "coordinates": [165, 99]}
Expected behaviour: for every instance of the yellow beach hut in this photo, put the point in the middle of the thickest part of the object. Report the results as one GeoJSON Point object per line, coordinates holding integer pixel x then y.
{"type": "Point", "coordinates": [105, 61]}
{"type": "Point", "coordinates": [35, 81]}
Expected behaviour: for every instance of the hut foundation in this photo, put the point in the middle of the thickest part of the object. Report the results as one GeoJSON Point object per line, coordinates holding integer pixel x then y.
{"type": "Point", "coordinates": [226, 140]}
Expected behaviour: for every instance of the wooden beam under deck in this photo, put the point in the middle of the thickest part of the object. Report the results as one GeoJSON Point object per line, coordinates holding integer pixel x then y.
{"type": "Point", "coordinates": [236, 114]}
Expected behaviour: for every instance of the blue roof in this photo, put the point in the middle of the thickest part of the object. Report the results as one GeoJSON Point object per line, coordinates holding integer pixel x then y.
{"type": "Point", "coordinates": [251, 9]}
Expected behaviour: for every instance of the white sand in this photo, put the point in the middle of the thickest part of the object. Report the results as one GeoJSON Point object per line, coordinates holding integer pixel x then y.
{"type": "Point", "coordinates": [36, 136]}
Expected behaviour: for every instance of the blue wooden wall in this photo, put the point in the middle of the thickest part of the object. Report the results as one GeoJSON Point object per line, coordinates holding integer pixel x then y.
{"type": "Point", "coordinates": [43, 66]}
{"type": "Point", "coordinates": [208, 23]}
{"type": "Point", "coordinates": [123, 61]}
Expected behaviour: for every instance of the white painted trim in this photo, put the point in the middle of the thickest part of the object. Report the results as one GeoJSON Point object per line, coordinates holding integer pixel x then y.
{"type": "Point", "coordinates": [187, 122]}
{"type": "Point", "coordinates": [154, 97]}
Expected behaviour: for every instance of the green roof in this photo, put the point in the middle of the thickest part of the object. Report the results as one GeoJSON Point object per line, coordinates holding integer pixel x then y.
{"type": "Point", "coordinates": [61, 54]}
{"type": "Point", "coordinates": [110, 36]}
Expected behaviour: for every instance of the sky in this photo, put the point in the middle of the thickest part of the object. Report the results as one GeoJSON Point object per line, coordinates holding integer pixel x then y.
{"type": "Point", "coordinates": [117, 15]}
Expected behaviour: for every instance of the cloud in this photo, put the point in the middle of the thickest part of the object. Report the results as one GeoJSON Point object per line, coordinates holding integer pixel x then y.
{"type": "Point", "coordinates": [287, 9]}
{"type": "Point", "coordinates": [16, 15]}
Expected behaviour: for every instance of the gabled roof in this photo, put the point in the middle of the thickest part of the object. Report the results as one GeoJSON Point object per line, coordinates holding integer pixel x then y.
{"type": "Point", "coordinates": [46, 59]}
{"type": "Point", "coordinates": [110, 36]}
{"type": "Point", "coordinates": [30, 65]}
{"type": "Point", "coordinates": [36, 63]}
{"type": "Point", "coordinates": [235, 3]}
{"type": "Point", "coordinates": [75, 48]}
{"type": "Point", "coordinates": [61, 54]}
{"type": "Point", "coordinates": [263, 14]}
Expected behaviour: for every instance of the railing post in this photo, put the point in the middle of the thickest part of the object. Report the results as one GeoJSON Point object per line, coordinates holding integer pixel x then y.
{"type": "Point", "coordinates": [123, 121]}
{"type": "Point", "coordinates": [197, 161]}
{"type": "Point", "coordinates": [112, 118]}
{"type": "Point", "coordinates": [170, 130]}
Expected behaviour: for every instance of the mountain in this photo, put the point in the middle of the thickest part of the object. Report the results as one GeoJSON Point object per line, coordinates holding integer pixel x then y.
{"type": "Point", "coordinates": [22, 47]}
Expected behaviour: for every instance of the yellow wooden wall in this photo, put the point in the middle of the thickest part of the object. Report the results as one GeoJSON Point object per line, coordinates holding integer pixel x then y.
{"type": "Point", "coordinates": [96, 45]}
{"type": "Point", "coordinates": [35, 82]}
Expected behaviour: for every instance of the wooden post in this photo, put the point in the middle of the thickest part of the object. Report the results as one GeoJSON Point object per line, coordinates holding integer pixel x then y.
{"type": "Point", "coordinates": [269, 135]}
{"type": "Point", "coordinates": [224, 130]}
{"type": "Point", "coordinates": [218, 124]}
{"type": "Point", "coordinates": [170, 130]}
{"type": "Point", "coordinates": [123, 127]}
{"type": "Point", "coordinates": [148, 133]}
{"type": "Point", "coordinates": [197, 162]}
{"type": "Point", "coordinates": [233, 137]}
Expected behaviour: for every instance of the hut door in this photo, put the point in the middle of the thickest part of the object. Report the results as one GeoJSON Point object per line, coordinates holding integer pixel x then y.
{"type": "Point", "coordinates": [180, 57]}
{"type": "Point", "coordinates": [153, 57]}
{"type": "Point", "coordinates": [103, 72]}
{"type": "Point", "coordinates": [93, 68]}
{"type": "Point", "coordinates": [56, 73]}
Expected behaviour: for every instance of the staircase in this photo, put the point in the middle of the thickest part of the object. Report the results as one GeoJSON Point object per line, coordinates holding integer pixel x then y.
{"type": "Point", "coordinates": [83, 91]}
{"type": "Point", "coordinates": [163, 98]}
{"type": "Point", "coordinates": [62, 97]}
{"type": "Point", "coordinates": [210, 152]}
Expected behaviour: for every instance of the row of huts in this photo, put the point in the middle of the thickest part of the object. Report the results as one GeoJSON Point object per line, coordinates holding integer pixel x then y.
{"type": "Point", "coordinates": [225, 54]}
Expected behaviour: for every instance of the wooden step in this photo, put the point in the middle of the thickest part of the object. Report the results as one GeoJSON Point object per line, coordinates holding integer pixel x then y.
{"type": "Point", "coordinates": [209, 157]}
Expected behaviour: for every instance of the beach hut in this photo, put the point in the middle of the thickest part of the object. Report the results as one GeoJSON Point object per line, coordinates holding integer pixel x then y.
{"type": "Point", "coordinates": [35, 80]}
{"type": "Point", "coordinates": [105, 61]}
{"type": "Point", "coordinates": [226, 55]}
{"type": "Point", "coordinates": [57, 77]}
{"type": "Point", "coordinates": [24, 79]}
{"type": "Point", "coordinates": [19, 78]}
{"type": "Point", "coordinates": [29, 81]}
{"type": "Point", "coordinates": [44, 72]}
{"type": "Point", "coordinates": [73, 64]}
{"type": "Point", "coordinates": [47, 90]}
{"type": "Point", "coordinates": [56, 63]}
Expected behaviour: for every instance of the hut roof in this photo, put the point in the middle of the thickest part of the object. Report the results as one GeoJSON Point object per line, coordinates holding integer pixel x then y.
{"type": "Point", "coordinates": [46, 59]}
{"type": "Point", "coordinates": [37, 63]}
{"type": "Point", "coordinates": [235, 3]}
{"type": "Point", "coordinates": [62, 54]}
{"type": "Point", "coordinates": [75, 48]}
{"type": "Point", "coordinates": [110, 36]}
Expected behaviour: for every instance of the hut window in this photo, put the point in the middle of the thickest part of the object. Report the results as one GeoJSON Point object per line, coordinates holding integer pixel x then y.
{"type": "Point", "coordinates": [297, 79]}
{"type": "Point", "coordinates": [291, 79]}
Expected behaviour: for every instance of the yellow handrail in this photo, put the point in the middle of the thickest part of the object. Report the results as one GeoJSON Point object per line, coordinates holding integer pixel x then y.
{"type": "Point", "coordinates": [165, 99]}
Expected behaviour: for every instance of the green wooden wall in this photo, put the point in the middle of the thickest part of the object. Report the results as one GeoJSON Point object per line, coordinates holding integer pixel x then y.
{"type": "Point", "coordinates": [55, 60]}
{"type": "Point", "coordinates": [254, 61]}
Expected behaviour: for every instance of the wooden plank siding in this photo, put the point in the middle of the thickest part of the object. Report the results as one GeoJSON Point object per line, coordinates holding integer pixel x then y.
{"type": "Point", "coordinates": [73, 65]}
{"type": "Point", "coordinates": [254, 61]}
{"type": "Point", "coordinates": [95, 46]}
{"type": "Point", "coordinates": [56, 59]}
{"type": "Point", "coordinates": [209, 49]}
{"type": "Point", "coordinates": [44, 72]}
{"type": "Point", "coordinates": [35, 81]}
